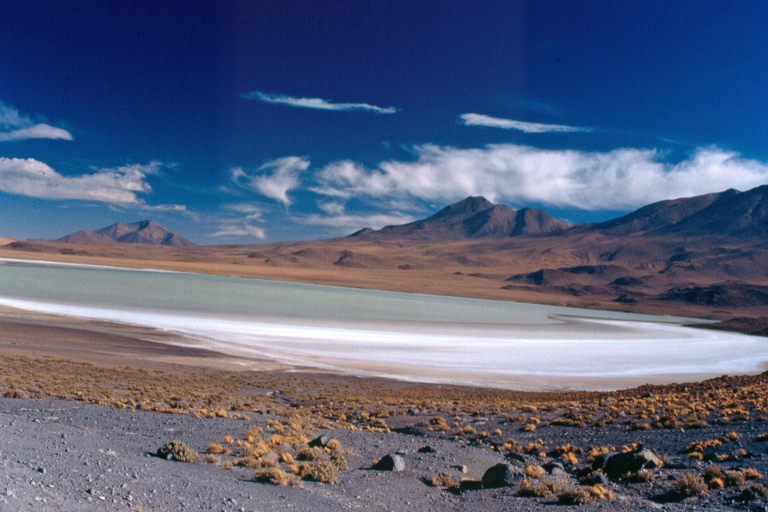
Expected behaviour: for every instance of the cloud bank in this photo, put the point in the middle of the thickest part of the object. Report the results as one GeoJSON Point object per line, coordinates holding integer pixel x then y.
{"type": "Point", "coordinates": [116, 186]}
{"type": "Point", "coordinates": [523, 126]}
{"type": "Point", "coordinates": [621, 179]}
{"type": "Point", "coordinates": [274, 179]}
{"type": "Point", "coordinates": [315, 103]}
{"type": "Point", "coordinates": [15, 126]}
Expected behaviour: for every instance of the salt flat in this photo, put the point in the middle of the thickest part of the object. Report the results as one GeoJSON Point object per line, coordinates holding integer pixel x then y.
{"type": "Point", "coordinates": [406, 336]}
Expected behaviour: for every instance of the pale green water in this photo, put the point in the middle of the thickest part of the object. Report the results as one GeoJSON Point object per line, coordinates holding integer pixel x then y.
{"type": "Point", "coordinates": [407, 336]}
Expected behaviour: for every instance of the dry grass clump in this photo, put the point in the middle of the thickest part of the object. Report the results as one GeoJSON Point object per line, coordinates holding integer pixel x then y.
{"type": "Point", "coordinates": [312, 454]}
{"type": "Point", "coordinates": [276, 476]}
{"type": "Point", "coordinates": [753, 493]}
{"type": "Point", "coordinates": [320, 471]}
{"type": "Point", "coordinates": [442, 480]}
{"type": "Point", "coordinates": [216, 448]}
{"type": "Point", "coordinates": [690, 485]}
{"type": "Point", "coordinates": [762, 438]}
{"type": "Point", "coordinates": [585, 495]}
{"type": "Point", "coordinates": [179, 451]}
{"type": "Point", "coordinates": [211, 459]}
{"type": "Point", "coordinates": [541, 489]}
{"type": "Point", "coordinates": [536, 472]}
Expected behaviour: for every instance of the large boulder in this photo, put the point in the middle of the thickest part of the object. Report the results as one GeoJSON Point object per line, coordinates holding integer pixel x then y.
{"type": "Point", "coordinates": [502, 474]}
{"type": "Point", "coordinates": [391, 462]}
{"type": "Point", "coordinates": [618, 465]}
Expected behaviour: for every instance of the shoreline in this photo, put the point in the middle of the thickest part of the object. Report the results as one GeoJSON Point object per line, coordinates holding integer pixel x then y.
{"type": "Point", "coordinates": [116, 344]}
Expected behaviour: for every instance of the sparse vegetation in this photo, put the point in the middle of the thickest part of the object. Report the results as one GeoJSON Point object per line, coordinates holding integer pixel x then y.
{"type": "Point", "coordinates": [690, 485]}
{"type": "Point", "coordinates": [178, 450]}
{"type": "Point", "coordinates": [442, 480]}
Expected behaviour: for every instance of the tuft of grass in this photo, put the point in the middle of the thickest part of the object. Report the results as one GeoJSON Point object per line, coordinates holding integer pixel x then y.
{"type": "Point", "coordinates": [690, 485]}
{"type": "Point", "coordinates": [275, 476]}
{"type": "Point", "coordinates": [442, 480]}
{"type": "Point", "coordinates": [753, 493]}
{"type": "Point", "coordinates": [211, 459]}
{"type": "Point", "coordinates": [217, 449]}
{"type": "Point", "coordinates": [179, 450]}
{"type": "Point", "coordinates": [320, 471]}
{"type": "Point", "coordinates": [536, 472]}
{"type": "Point", "coordinates": [542, 489]}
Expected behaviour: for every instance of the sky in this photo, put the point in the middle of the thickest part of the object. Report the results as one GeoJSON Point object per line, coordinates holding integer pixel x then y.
{"type": "Point", "coordinates": [252, 122]}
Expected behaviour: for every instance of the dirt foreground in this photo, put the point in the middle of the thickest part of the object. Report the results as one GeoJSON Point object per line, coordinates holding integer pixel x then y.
{"type": "Point", "coordinates": [87, 405]}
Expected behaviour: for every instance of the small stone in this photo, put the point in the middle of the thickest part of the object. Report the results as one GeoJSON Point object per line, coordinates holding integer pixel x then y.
{"type": "Point", "coordinates": [460, 468]}
{"type": "Point", "coordinates": [427, 449]}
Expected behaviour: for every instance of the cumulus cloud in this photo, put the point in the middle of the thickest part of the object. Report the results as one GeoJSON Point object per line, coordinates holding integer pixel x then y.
{"type": "Point", "coordinates": [315, 103]}
{"type": "Point", "coordinates": [273, 179]}
{"type": "Point", "coordinates": [351, 223]}
{"type": "Point", "coordinates": [523, 126]}
{"type": "Point", "coordinates": [117, 186]}
{"type": "Point", "coordinates": [17, 126]}
{"type": "Point", "coordinates": [614, 180]}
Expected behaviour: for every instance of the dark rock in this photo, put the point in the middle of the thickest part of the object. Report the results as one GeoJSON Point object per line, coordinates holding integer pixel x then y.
{"type": "Point", "coordinates": [554, 468]}
{"type": "Point", "coordinates": [502, 475]}
{"type": "Point", "coordinates": [320, 442]}
{"type": "Point", "coordinates": [391, 462]}
{"type": "Point", "coordinates": [516, 458]}
{"type": "Point", "coordinates": [594, 479]}
{"type": "Point", "coordinates": [427, 449]}
{"type": "Point", "coordinates": [470, 485]}
{"type": "Point", "coordinates": [617, 465]}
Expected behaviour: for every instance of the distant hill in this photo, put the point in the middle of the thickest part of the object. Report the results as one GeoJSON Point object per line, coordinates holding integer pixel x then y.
{"type": "Point", "coordinates": [473, 217]}
{"type": "Point", "coordinates": [144, 232]}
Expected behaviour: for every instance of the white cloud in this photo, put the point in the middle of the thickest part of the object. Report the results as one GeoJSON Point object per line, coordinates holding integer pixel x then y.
{"type": "Point", "coordinates": [16, 126]}
{"type": "Point", "coordinates": [615, 180]}
{"type": "Point", "coordinates": [247, 230]}
{"type": "Point", "coordinates": [117, 186]}
{"type": "Point", "coordinates": [523, 126]}
{"type": "Point", "coordinates": [315, 103]}
{"type": "Point", "coordinates": [238, 220]}
{"type": "Point", "coordinates": [273, 179]}
{"type": "Point", "coordinates": [332, 207]}
{"type": "Point", "coordinates": [249, 210]}
{"type": "Point", "coordinates": [350, 223]}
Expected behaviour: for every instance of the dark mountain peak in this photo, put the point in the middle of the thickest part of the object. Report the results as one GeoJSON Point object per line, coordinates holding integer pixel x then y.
{"type": "Point", "coordinates": [468, 206]}
{"type": "Point", "coordinates": [142, 232]}
{"type": "Point", "coordinates": [662, 214]}
{"type": "Point", "coordinates": [740, 214]}
{"type": "Point", "coordinates": [530, 221]}
{"type": "Point", "coordinates": [473, 217]}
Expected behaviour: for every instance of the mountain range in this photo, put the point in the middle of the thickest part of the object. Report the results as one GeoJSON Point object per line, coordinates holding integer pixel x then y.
{"type": "Point", "coordinates": [698, 256]}
{"type": "Point", "coordinates": [143, 232]}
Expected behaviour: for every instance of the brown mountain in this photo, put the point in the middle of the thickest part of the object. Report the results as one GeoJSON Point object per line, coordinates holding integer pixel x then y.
{"type": "Point", "coordinates": [144, 232]}
{"type": "Point", "coordinates": [473, 217]}
{"type": "Point", "coordinates": [86, 237]}
{"type": "Point", "coordinates": [663, 214]}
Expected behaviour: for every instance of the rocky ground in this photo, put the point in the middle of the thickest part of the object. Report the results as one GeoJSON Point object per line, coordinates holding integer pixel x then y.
{"type": "Point", "coordinates": [557, 450]}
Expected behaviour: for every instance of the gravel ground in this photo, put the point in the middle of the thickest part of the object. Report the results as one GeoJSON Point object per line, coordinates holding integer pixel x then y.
{"type": "Point", "coordinates": [71, 456]}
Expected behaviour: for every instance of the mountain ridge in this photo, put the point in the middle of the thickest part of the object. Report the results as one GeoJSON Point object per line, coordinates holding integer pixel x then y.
{"type": "Point", "coordinates": [143, 232]}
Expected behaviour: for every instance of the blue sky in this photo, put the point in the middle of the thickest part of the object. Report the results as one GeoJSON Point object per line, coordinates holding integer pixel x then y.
{"type": "Point", "coordinates": [267, 121]}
